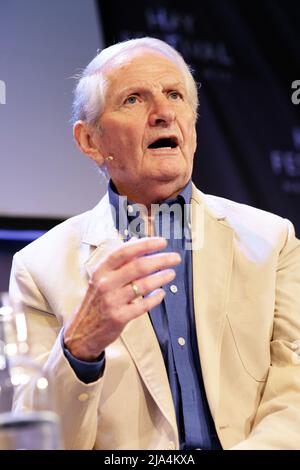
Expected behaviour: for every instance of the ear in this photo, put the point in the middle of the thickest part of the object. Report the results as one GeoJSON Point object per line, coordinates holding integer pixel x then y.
{"type": "Point", "coordinates": [85, 136]}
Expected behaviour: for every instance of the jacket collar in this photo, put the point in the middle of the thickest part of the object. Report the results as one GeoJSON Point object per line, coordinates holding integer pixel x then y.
{"type": "Point", "coordinates": [100, 224]}
{"type": "Point", "coordinates": [212, 204]}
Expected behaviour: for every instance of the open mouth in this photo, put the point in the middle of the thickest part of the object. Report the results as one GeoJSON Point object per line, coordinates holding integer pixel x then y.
{"type": "Point", "coordinates": [166, 142]}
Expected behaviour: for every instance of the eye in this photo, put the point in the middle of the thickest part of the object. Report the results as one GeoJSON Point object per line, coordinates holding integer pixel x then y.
{"type": "Point", "coordinates": [132, 99]}
{"type": "Point", "coordinates": [175, 95]}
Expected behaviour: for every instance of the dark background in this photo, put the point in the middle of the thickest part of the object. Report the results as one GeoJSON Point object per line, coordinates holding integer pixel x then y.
{"type": "Point", "coordinates": [245, 56]}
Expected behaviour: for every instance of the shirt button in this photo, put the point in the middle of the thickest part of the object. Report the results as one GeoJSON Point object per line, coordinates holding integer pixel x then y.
{"type": "Point", "coordinates": [126, 232]}
{"type": "Point", "coordinates": [83, 396]}
{"type": "Point", "coordinates": [189, 226]}
{"type": "Point", "coordinates": [130, 209]}
{"type": "Point", "coordinates": [173, 288]}
{"type": "Point", "coordinates": [181, 341]}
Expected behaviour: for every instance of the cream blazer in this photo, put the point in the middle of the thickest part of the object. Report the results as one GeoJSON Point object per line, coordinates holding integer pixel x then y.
{"type": "Point", "coordinates": [246, 275]}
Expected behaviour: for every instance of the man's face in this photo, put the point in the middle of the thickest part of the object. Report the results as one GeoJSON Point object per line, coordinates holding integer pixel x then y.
{"type": "Point", "coordinates": [148, 126]}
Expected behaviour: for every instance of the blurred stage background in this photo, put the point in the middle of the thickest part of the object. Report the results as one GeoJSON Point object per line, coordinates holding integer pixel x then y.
{"type": "Point", "coordinates": [245, 55]}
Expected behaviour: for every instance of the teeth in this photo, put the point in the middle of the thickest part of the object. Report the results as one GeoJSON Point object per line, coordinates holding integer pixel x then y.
{"type": "Point", "coordinates": [165, 148]}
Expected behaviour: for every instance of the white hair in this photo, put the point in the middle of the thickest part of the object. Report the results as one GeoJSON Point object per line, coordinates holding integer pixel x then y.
{"type": "Point", "coordinates": [89, 94]}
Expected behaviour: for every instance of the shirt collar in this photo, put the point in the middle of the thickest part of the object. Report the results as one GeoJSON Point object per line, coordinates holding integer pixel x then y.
{"type": "Point", "coordinates": [120, 203]}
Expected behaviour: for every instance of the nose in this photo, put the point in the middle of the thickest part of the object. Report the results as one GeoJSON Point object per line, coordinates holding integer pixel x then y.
{"type": "Point", "coordinates": [162, 113]}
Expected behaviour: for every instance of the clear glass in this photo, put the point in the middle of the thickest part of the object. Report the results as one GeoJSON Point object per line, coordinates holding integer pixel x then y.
{"type": "Point", "coordinates": [20, 427]}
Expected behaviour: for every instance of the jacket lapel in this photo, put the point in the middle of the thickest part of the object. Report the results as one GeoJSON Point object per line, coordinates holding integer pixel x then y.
{"type": "Point", "coordinates": [144, 349]}
{"type": "Point", "coordinates": [212, 265]}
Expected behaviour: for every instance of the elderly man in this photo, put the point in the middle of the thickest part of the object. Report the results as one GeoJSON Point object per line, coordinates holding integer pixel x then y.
{"type": "Point", "coordinates": [143, 359]}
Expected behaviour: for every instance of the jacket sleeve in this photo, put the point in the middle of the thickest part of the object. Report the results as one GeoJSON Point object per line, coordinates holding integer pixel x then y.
{"type": "Point", "coordinates": [75, 402]}
{"type": "Point", "coordinates": [277, 422]}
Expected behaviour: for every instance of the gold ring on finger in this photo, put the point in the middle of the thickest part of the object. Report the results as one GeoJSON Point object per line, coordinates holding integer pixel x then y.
{"type": "Point", "coordinates": [135, 289]}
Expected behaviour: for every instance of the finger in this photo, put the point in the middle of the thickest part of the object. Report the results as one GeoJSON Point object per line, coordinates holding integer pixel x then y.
{"type": "Point", "coordinates": [135, 269]}
{"type": "Point", "coordinates": [144, 286]}
{"type": "Point", "coordinates": [147, 265]}
{"type": "Point", "coordinates": [134, 249]}
{"type": "Point", "coordinates": [142, 305]}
